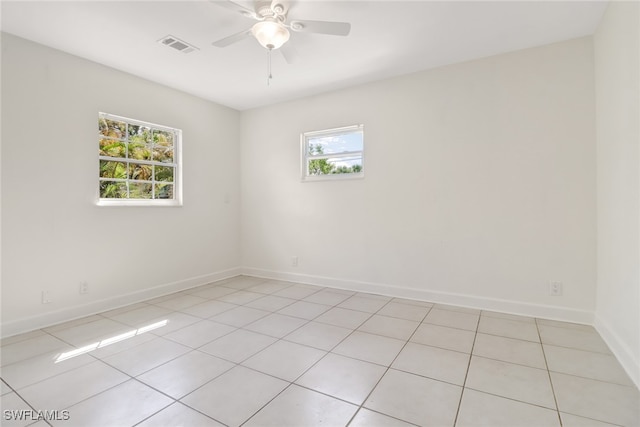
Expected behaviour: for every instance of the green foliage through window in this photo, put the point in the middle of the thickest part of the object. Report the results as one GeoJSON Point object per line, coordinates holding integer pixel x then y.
{"type": "Point", "coordinates": [137, 160]}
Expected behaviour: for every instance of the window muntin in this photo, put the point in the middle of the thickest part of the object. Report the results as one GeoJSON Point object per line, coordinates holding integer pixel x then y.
{"type": "Point", "coordinates": [333, 153]}
{"type": "Point", "coordinates": [138, 162]}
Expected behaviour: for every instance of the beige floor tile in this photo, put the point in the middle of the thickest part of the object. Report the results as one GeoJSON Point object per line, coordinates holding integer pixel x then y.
{"type": "Point", "coordinates": [452, 319]}
{"type": "Point", "coordinates": [370, 348]}
{"type": "Point", "coordinates": [510, 350]}
{"type": "Point", "coordinates": [404, 311]}
{"type": "Point", "coordinates": [481, 409]}
{"type": "Point", "coordinates": [147, 356]}
{"type": "Point", "coordinates": [200, 333]}
{"type": "Point", "coordinates": [350, 319]}
{"type": "Point", "coordinates": [573, 338]}
{"type": "Point", "coordinates": [69, 388]}
{"type": "Point", "coordinates": [142, 316]}
{"type": "Point", "coordinates": [597, 366]}
{"type": "Point", "coordinates": [240, 297]}
{"type": "Point", "coordinates": [179, 415]}
{"type": "Point", "coordinates": [239, 316]}
{"type": "Point", "coordinates": [509, 328]}
{"type": "Point", "coordinates": [297, 406]}
{"type": "Point", "coordinates": [181, 301]}
{"type": "Point", "coordinates": [212, 292]}
{"type": "Point", "coordinates": [22, 337]}
{"type": "Point", "coordinates": [208, 309]}
{"type": "Point", "coordinates": [18, 414]}
{"type": "Point", "coordinates": [184, 374]}
{"type": "Point", "coordinates": [235, 396]}
{"type": "Point", "coordinates": [566, 325]}
{"type": "Point", "coordinates": [123, 405]}
{"type": "Point", "coordinates": [35, 369]}
{"type": "Point", "coordinates": [415, 399]}
{"type": "Point", "coordinates": [457, 308]}
{"type": "Point", "coordinates": [327, 297]}
{"type": "Point", "coordinates": [276, 325]}
{"type": "Point", "coordinates": [419, 303]}
{"type": "Point", "coordinates": [602, 401]}
{"type": "Point", "coordinates": [569, 420]}
{"type": "Point", "coordinates": [437, 363]}
{"type": "Point", "coordinates": [269, 287]}
{"type": "Point", "coordinates": [444, 337]}
{"type": "Point", "coordinates": [175, 321]}
{"type": "Point", "coordinates": [4, 388]}
{"type": "Point", "coordinates": [342, 377]}
{"type": "Point", "coordinates": [508, 316]}
{"type": "Point", "coordinates": [362, 303]}
{"type": "Point", "coordinates": [529, 385]}
{"type": "Point", "coordinates": [368, 418]}
{"type": "Point", "coordinates": [241, 282]}
{"type": "Point", "coordinates": [238, 345]}
{"type": "Point", "coordinates": [92, 332]}
{"type": "Point", "coordinates": [271, 303]}
{"type": "Point", "coordinates": [304, 310]}
{"type": "Point", "coordinates": [389, 327]}
{"type": "Point", "coordinates": [32, 347]}
{"type": "Point", "coordinates": [318, 335]}
{"type": "Point", "coordinates": [284, 360]}
{"type": "Point", "coordinates": [297, 291]}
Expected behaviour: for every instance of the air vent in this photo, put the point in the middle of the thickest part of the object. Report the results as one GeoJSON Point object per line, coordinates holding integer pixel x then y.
{"type": "Point", "coordinates": [177, 44]}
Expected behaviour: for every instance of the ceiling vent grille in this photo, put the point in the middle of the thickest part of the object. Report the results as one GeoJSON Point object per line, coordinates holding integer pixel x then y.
{"type": "Point", "coordinates": [177, 44]}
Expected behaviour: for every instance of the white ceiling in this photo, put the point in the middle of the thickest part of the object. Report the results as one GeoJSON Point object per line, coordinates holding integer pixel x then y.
{"type": "Point", "coordinates": [388, 38]}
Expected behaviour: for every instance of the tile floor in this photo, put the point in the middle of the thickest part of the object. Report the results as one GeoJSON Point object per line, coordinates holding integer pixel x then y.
{"type": "Point", "coordinates": [257, 352]}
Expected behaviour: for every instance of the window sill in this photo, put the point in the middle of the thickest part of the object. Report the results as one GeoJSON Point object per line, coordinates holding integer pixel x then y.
{"type": "Point", "coordinates": [333, 177]}
{"type": "Point", "coordinates": [145, 203]}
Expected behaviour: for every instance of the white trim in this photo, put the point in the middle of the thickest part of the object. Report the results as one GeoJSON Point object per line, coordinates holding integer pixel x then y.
{"type": "Point", "coordinates": [27, 324]}
{"type": "Point", "coordinates": [623, 353]}
{"type": "Point", "coordinates": [471, 301]}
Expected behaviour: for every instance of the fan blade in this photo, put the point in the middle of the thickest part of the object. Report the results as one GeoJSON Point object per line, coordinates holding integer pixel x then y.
{"type": "Point", "coordinates": [232, 39]}
{"type": "Point", "coordinates": [289, 53]}
{"type": "Point", "coordinates": [321, 27]}
{"type": "Point", "coordinates": [228, 4]}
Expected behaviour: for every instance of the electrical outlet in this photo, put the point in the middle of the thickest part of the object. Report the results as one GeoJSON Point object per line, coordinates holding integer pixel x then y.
{"type": "Point", "coordinates": [555, 289]}
{"type": "Point", "coordinates": [46, 297]}
{"type": "Point", "coordinates": [84, 287]}
{"type": "Point", "coordinates": [294, 261]}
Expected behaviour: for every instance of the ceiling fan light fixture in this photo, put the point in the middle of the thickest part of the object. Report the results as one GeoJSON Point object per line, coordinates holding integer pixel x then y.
{"type": "Point", "coordinates": [270, 34]}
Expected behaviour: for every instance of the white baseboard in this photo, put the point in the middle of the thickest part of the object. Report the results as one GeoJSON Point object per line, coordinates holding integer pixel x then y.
{"type": "Point", "coordinates": [31, 323]}
{"type": "Point", "coordinates": [623, 353]}
{"type": "Point", "coordinates": [463, 300]}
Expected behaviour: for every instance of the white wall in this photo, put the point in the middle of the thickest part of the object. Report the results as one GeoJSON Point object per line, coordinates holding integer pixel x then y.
{"type": "Point", "coordinates": [617, 71]}
{"type": "Point", "coordinates": [479, 187]}
{"type": "Point", "coordinates": [54, 236]}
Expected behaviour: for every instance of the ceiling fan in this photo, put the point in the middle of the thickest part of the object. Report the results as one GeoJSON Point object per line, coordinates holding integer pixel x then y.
{"type": "Point", "coordinates": [272, 28]}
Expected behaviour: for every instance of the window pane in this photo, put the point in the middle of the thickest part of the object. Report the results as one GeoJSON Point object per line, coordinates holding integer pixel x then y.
{"type": "Point", "coordinates": [113, 148]}
{"type": "Point", "coordinates": [113, 190]}
{"type": "Point", "coordinates": [164, 173]}
{"type": "Point", "coordinates": [113, 169]}
{"type": "Point", "coordinates": [140, 172]}
{"type": "Point", "coordinates": [163, 138]}
{"type": "Point", "coordinates": [162, 154]}
{"type": "Point", "coordinates": [139, 190]}
{"type": "Point", "coordinates": [138, 133]}
{"type": "Point", "coordinates": [139, 151]}
{"type": "Point", "coordinates": [112, 128]}
{"type": "Point", "coordinates": [335, 166]}
{"type": "Point", "coordinates": [333, 144]}
{"type": "Point", "coordinates": [164, 191]}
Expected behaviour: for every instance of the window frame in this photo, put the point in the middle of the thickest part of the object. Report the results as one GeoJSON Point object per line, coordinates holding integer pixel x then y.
{"type": "Point", "coordinates": [305, 157]}
{"type": "Point", "coordinates": [176, 164]}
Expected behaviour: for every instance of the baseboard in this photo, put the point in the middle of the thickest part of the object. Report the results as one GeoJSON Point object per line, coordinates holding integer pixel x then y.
{"type": "Point", "coordinates": [31, 323]}
{"type": "Point", "coordinates": [463, 300]}
{"type": "Point", "coordinates": [623, 353]}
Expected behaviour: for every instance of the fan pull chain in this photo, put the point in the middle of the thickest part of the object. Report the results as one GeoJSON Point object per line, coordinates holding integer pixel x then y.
{"type": "Point", "coordinates": [269, 76]}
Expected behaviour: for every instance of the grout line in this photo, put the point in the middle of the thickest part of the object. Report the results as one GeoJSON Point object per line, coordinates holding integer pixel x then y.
{"type": "Point", "coordinates": [546, 364]}
{"type": "Point", "coordinates": [466, 375]}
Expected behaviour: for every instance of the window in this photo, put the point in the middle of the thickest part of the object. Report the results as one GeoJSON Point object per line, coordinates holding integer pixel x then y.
{"type": "Point", "coordinates": [139, 163]}
{"type": "Point", "coordinates": [333, 153]}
